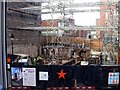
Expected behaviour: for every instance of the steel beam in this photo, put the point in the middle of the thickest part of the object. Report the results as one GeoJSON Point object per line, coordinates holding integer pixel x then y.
{"type": "Point", "coordinates": [72, 5]}
{"type": "Point", "coordinates": [90, 28]}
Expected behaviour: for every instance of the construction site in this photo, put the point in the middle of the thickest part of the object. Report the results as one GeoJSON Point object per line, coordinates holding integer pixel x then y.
{"type": "Point", "coordinates": [58, 38]}
{"type": "Point", "coordinates": [50, 37]}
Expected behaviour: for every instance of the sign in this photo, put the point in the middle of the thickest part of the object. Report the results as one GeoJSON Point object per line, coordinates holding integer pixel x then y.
{"type": "Point", "coordinates": [43, 76]}
{"type": "Point", "coordinates": [84, 63]}
{"type": "Point", "coordinates": [17, 76]}
{"type": "Point", "coordinates": [29, 76]}
{"type": "Point", "coordinates": [113, 78]}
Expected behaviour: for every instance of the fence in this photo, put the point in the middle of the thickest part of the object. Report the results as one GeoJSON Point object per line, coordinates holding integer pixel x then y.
{"type": "Point", "coordinates": [76, 76]}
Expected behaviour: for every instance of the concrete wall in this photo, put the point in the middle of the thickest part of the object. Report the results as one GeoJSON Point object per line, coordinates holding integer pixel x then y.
{"type": "Point", "coordinates": [23, 49]}
{"type": "Point", "coordinates": [24, 40]}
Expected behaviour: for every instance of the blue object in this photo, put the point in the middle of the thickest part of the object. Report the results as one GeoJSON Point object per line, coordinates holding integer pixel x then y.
{"type": "Point", "coordinates": [0, 87]}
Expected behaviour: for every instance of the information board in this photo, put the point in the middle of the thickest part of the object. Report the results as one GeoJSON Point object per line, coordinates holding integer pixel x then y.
{"type": "Point", "coordinates": [29, 76]}
{"type": "Point", "coordinates": [113, 78]}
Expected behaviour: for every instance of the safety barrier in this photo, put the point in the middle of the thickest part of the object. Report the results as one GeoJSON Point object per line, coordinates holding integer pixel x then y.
{"type": "Point", "coordinates": [72, 88]}
{"type": "Point", "coordinates": [91, 75]}
{"type": "Point", "coordinates": [19, 88]}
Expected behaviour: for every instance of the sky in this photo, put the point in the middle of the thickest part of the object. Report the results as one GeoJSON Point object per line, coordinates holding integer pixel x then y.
{"type": "Point", "coordinates": [81, 18]}
{"type": "Point", "coordinates": [87, 18]}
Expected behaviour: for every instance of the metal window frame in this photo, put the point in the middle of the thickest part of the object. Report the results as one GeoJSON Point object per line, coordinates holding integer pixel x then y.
{"type": "Point", "coordinates": [3, 52]}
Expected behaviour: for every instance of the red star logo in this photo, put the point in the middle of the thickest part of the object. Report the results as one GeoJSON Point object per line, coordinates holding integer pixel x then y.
{"type": "Point", "coordinates": [8, 60]}
{"type": "Point", "coordinates": [61, 74]}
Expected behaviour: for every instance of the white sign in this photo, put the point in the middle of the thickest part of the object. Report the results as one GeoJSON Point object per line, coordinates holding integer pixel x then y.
{"type": "Point", "coordinates": [113, 78]}
{"type": "Point", "coordinates": [29, 76]}
{"type": "Point", "coordinates": [43, 76]}
{"type": "Point", "coordinates": [84, 63]}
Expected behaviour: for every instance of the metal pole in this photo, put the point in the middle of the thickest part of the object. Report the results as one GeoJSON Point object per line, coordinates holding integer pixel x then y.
{"type": "Point", "coordinates": [3, 64]}
{"type": "Point", "coordinates": [12, 47]}
{"type": "Point", "coordinates": [105, 44]}
{"type": "Point", "coordinates": [99, 44]}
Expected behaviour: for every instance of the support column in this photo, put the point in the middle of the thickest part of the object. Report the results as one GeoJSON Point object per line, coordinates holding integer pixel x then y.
{"type": "Point", "coordinates": [3, 64]}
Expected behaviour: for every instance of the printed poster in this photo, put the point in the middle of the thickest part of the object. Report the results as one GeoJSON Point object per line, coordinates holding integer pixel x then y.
{"type": "Point", "coordinates": [17, 76]}
{"type": "Point", "coordinates": [43, 76]}
{"type": "Point", "coordinates": [29, 76]}
{"type": "Point", "coordinates": [113, 78]}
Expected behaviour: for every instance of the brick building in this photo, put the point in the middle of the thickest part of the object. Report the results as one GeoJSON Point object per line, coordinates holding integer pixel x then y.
{"type": "Point", "coordinates": [107, 18]}
{"type": "Point", "coordinates": [66, 23]}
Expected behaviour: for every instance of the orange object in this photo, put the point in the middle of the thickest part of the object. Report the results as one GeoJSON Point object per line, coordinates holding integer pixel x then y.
{"type": "Point", "coordinates": [8, 60]}
{"type": "Point", "coordinates": [61, 74]}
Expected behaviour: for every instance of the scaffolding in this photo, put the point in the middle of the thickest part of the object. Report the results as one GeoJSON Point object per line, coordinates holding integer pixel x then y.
{"type": "Point", "coordinates": [65, 10]}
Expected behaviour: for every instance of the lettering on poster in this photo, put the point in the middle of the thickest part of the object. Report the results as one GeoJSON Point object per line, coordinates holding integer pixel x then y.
{"type": "Point", "coordinates": [29, 77]}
